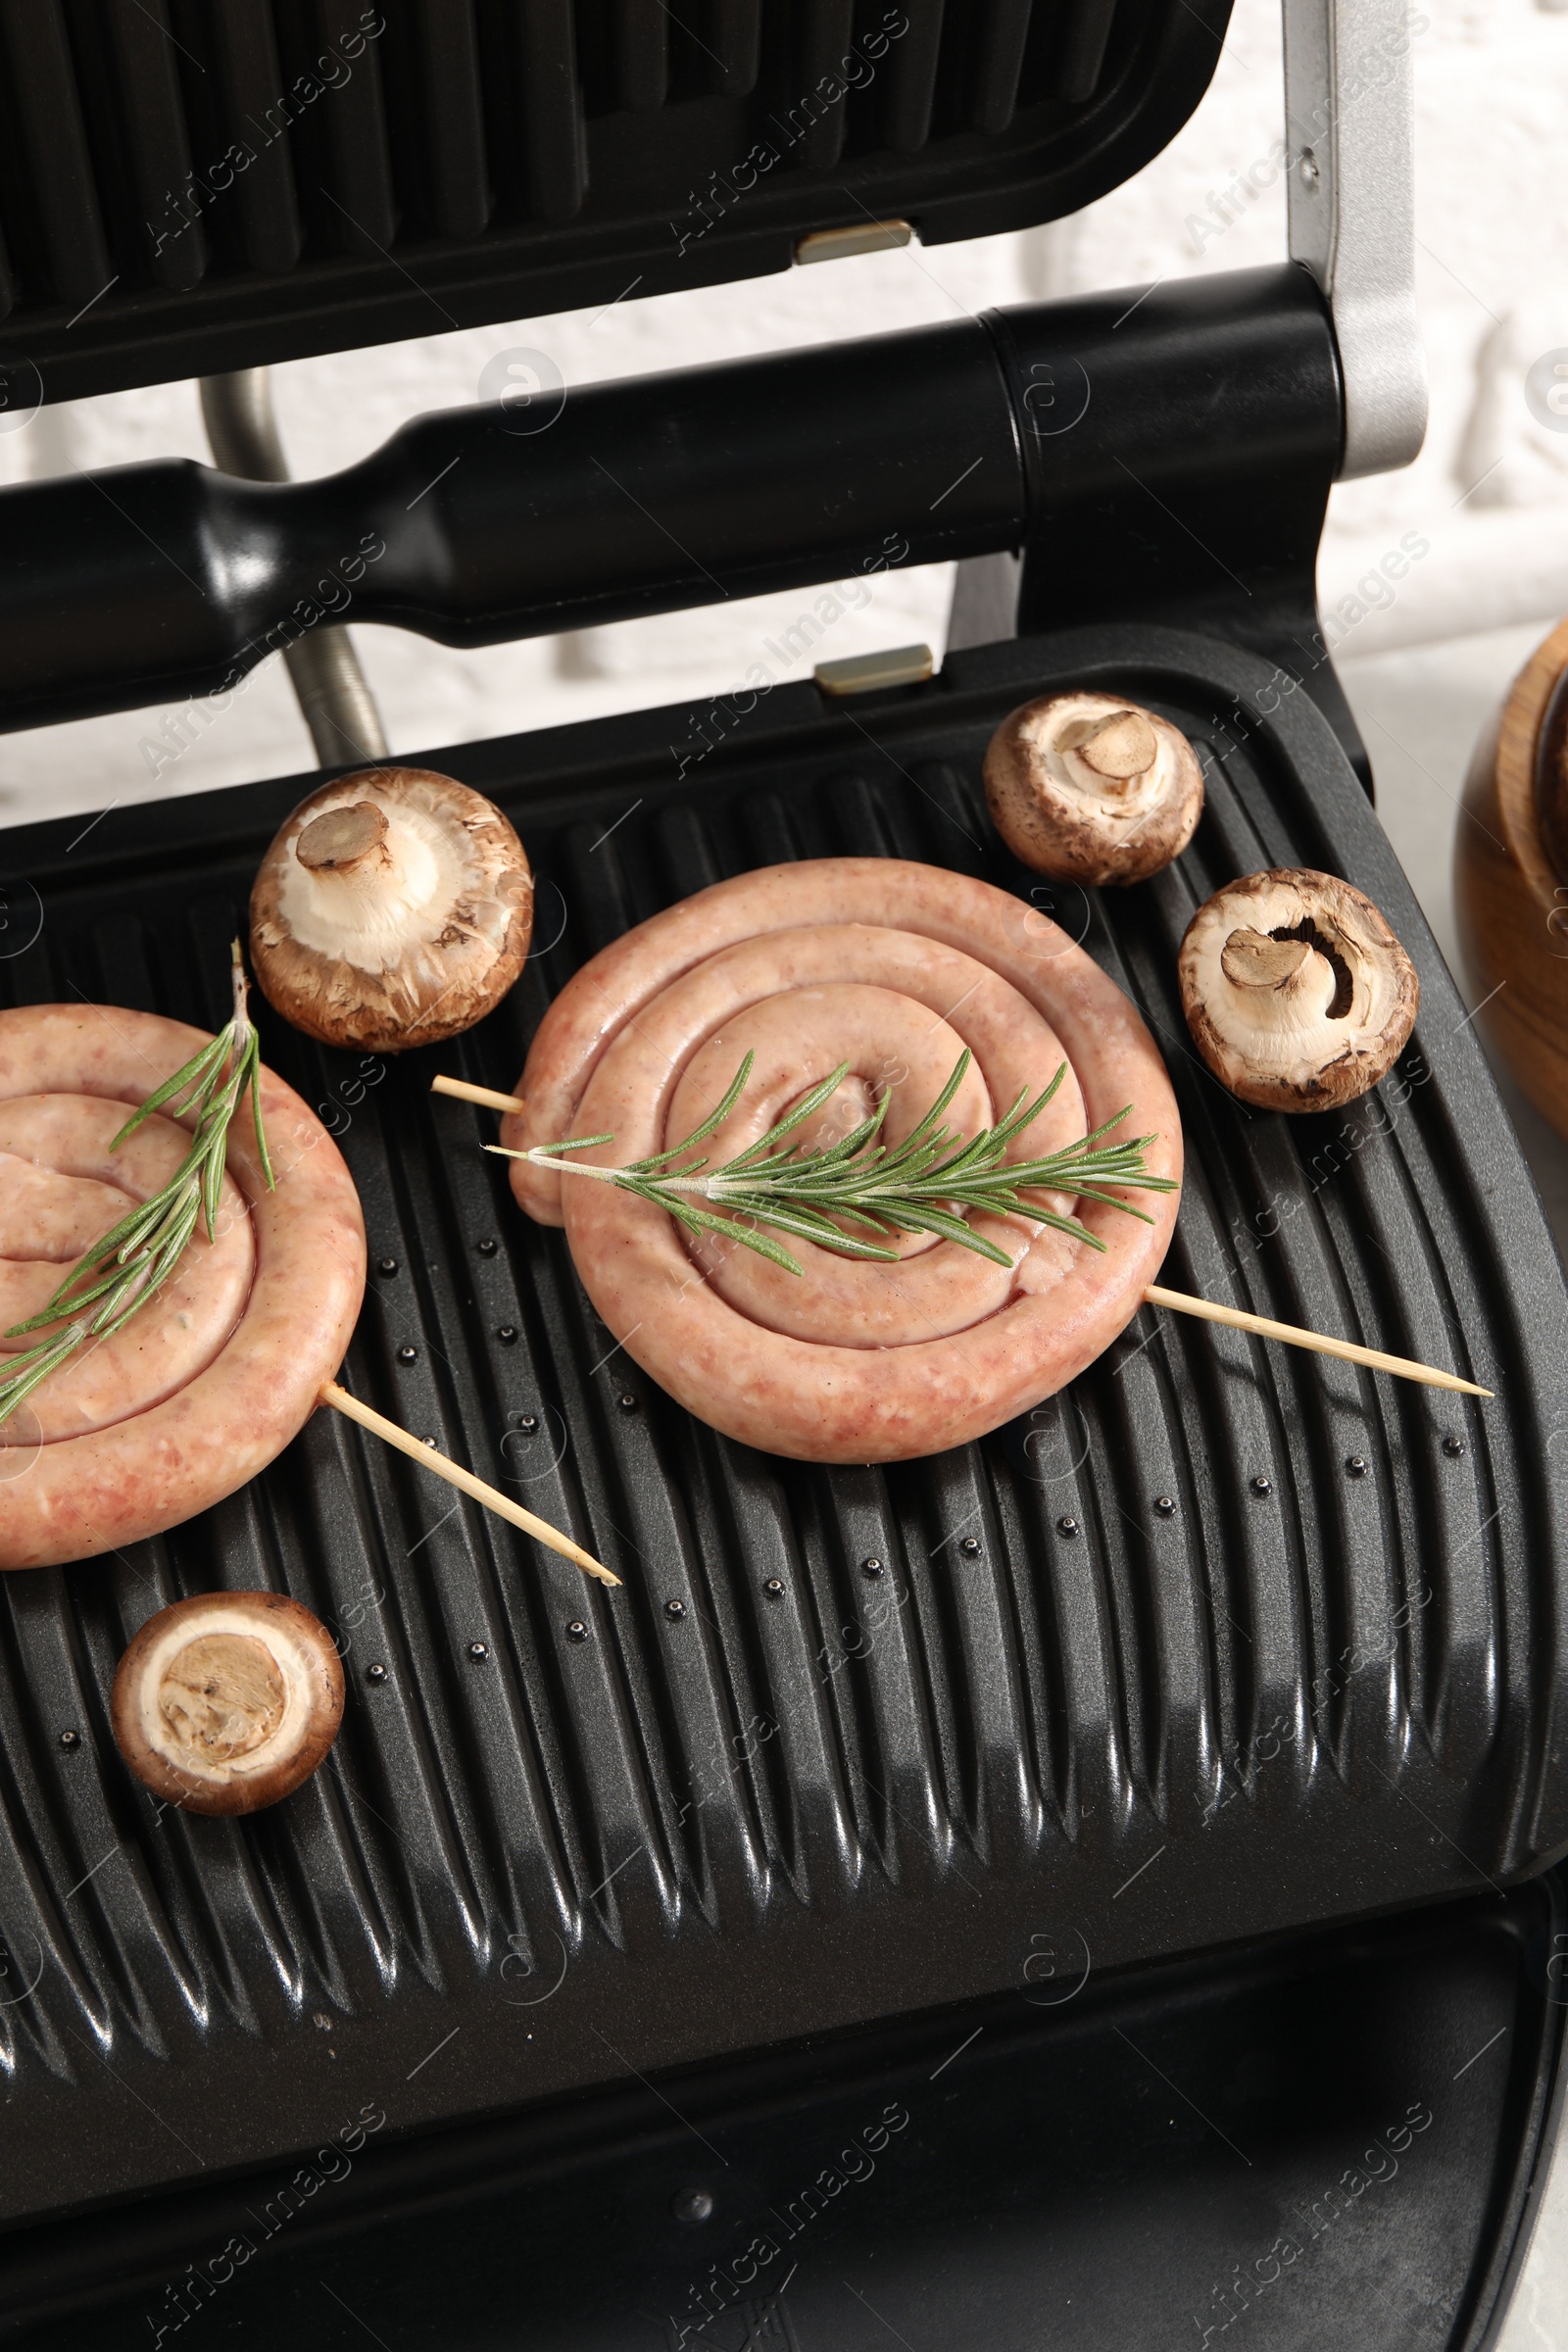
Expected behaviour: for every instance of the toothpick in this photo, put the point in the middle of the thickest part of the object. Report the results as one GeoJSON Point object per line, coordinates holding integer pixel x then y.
{"type": "Point", "coordinates": [1403, 1366]}
{"type": "Point", "coordinates": [1293, 1334]}
{"type": "Point", "coordinates": [493, 1500]}
{"type": "Point", "coordinates": [485, 1095]}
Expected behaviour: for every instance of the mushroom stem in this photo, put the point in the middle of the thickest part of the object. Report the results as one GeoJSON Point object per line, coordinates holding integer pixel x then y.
{"type": "Point", "coordinates": [1253, 960]}
{"type": "Point", "coordinates": [464, 1481]}
{"type": "Point", "coordinates": [342, 839]}
{"type": "Point", "coordinates": [1124, 745]}
{"type": "Point", "coordinates": [1350, 1351]}
{"type": "Point", "coordinates": [485, 1095]}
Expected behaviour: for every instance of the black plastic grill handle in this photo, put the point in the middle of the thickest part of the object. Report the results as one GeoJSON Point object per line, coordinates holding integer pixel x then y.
{"type": "Point", "coordinates": [1085, 430]}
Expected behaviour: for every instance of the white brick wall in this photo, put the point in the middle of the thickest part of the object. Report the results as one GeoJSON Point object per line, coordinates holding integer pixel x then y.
{"type": "Point", "coordinates": [1493, 92]}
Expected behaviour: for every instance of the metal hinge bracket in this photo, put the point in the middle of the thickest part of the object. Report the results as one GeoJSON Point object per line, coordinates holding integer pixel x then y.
{"type": "Point", "coordinates": [1350, 145]}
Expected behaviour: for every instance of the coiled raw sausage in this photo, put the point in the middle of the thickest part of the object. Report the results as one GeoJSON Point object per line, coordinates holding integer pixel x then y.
{"type": "Point", "coordinates": [895, 968]}
{"type": "Point", "coordinates": [202, 1388]}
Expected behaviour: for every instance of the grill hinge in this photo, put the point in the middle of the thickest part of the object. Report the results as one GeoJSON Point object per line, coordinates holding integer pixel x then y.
{"type": "Point", "coordinates": [1349, 139]}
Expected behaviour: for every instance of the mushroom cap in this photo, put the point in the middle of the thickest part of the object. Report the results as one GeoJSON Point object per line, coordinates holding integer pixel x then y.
{"type": "Point", "coordinates": [228, 1702]}
{"type": "Point", "coordinates": [393, 909]}
{"type": "Point", "coordinates": [1091, 788]}
{"type": "Point", "coordinates": [1297, 994]}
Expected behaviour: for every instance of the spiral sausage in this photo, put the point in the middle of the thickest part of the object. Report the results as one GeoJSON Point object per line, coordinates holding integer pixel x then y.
{"type": "Point", "coordinates": [205, 1385]}
{"type": "Point", "coordinates": [895, 968]}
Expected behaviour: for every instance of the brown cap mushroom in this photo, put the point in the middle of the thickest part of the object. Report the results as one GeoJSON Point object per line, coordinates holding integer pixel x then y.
{"type": "Point", "coordinates": [1297, 994]}
{"type": "Point", "coordinates": [393, 909]}
{"type": "Point", "coordinates": [228, 1702]}
{"type": "Point", "coordinates": [1088, 788]}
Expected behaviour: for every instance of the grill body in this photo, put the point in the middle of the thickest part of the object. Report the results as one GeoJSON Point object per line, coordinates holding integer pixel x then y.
{"type": "Point", "coordinates": [1303, 1693]}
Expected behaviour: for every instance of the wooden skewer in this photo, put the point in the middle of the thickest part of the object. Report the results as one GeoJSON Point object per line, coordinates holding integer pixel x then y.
{"type": "Point", "coordinates": [485, 1095]}
{"type": "Point", "coordinates": [1296, 1336]}
{"type": "Point", "coordinates": [1293, 1333]}
{"type": "Point", "coordinates": [491, 1496]}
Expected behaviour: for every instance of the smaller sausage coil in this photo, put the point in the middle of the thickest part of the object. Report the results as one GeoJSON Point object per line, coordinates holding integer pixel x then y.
{"type": "Point", "coordinates": [895, 968]}
{"type": "Point", "coordinates": [201, 1388]}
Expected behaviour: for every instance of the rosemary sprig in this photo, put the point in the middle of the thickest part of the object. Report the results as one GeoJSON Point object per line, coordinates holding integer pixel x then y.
{"type": "Point", "coordinates": [930, 1183]}
{"type": "Point", "coordinates": [136, 1256]}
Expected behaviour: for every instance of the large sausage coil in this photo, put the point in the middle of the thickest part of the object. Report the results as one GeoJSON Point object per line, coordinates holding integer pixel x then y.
{"type": "Point", "coordinates": [895, 968]}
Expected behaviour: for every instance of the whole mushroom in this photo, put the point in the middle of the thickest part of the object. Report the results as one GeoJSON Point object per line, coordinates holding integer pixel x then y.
{"type": "Point", "coordinates": [394, 908]}
{"type": "Point", "coordinates": [1297, 994]}
{"type": "Point", "coordinates": [1089, 788]}
{"type": "Point", "coordinates": [225, 1703]}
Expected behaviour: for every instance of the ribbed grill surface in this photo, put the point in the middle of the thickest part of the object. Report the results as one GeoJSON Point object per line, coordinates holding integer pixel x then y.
{"type": "Point", "coordinates": [1298, 1693]}
{"type": "Point", "coordinates": [304, 171]}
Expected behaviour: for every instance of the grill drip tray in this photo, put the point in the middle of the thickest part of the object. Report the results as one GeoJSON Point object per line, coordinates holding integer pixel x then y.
{"type": "Point", "coordinates": [1287, 1702]}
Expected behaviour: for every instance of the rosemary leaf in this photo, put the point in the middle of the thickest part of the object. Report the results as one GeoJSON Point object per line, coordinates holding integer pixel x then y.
{"type": "Point", "coordinates": [930, 1183]}
{"type": "Point", "coordinates": [200, 1068]}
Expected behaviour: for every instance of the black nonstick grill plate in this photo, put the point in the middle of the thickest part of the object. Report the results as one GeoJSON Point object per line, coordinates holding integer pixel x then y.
{"type": "Point", "coordinates": [618, 1841]}
{"type": "Point", "coordinates": [210, 185]}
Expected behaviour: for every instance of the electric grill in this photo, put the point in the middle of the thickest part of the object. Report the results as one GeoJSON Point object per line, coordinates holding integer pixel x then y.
{"type": "Point", "coordinates": [1076, 1888]}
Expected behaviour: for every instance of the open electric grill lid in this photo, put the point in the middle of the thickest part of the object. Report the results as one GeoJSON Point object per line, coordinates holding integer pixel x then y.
{"type": "Point", "coordinates": [188, 187]}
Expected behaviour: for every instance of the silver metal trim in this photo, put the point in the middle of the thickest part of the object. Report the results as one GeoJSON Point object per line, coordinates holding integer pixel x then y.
{"type": "Point", "coordinates": [1350, 138]}
{"type": "Point", "coordinates": [336, 703]}
{"type": "Point", "coordinates": [984, 601]}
